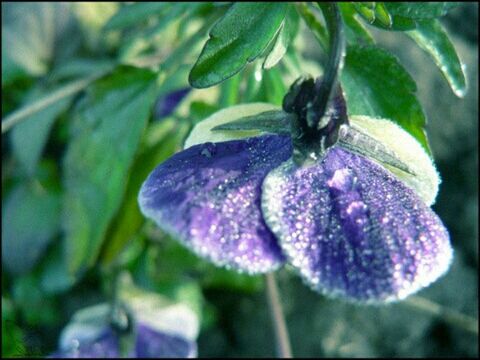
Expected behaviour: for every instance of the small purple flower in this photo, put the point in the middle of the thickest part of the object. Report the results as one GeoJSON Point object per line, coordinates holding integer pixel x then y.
{"type": "Point", "coordinates": [349, 226]}
{"type": "Point", "coordinates": [90, 344]}
{"type": "Point", "coordinates": [92, 335]}
{"type": "Point", "coordinates": [165, 105]}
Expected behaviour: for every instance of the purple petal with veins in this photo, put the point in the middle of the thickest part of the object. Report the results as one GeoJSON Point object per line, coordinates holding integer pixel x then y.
{"type": "Point", "coordinates": [353, 230]}
{"type": "Point", "coordinates": [208, 196]}
{"type": "Point", "coordinates": [150, 343]}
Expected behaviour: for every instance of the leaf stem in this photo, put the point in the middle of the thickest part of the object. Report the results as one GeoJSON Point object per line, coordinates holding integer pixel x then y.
{"type": "Point", "coordinates": [450, 316]}
{"type": "Point", "coordinates": [278, 320]}
{"type": "Point", "coordinates": [23, 113]}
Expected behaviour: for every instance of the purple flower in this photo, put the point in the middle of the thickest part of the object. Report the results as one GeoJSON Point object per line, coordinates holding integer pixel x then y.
{"type": "Point", "coordinates": [90, 344]}
{"type": "Point", "coordinates": [91, 335]}
{"type": "Point", "coordinates": [348, 226]}
{"type": "Point", "coordinates": [165, 105]}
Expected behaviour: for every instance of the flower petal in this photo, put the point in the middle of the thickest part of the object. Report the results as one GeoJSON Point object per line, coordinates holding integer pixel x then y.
{"type": "Point", "coordinates": [165, 105]}
{"type": "Point", "coordinates": [153, 344]}
{"type": "Point", "coordinates": [102, 345]}
{"type": "Point", "coordinates": [208, 196]}
{"type": "Point", "coordinates": [426, 180]}
{"type": "Point", "coordinates": [354, 230]}
{"type": "Point", "coordinates": [202, 131]}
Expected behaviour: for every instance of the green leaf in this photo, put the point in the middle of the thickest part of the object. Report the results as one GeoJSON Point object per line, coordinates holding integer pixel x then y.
{"type": "Point", "coordinates": [132, 14]}
{"type": "Point", "coordinates": [420, 10]}
{"type": "Point", "coordinates": [236, 39]}
{"type": "Point", "coordinates": [314, 24]}
{"type": "Point", "coordinates": [129, 219]}
{"type": "Point", "coordinates": [12, 336]}
{"type": "Point", "coordinates": [284, 39]}
{"type": "Point", "coordinates": [230, 91]}
{"type": "Point", "coordinates": [379, 16]}
{"type": "Point", "coordinates": [29, 298]}
{"type": "Point", "coordinates": [31, 219]}
{"type": "Point", "coordinates": [183, 50]}
{"type": "Point", "coordinates": [382, 15]}
{"type": "Point", "coordinates": [29, 137]}
{"type": "Point", "coordinates": [54, 277]}
{"type": "Point", "coordinates": [431, 37]}
{"type": "Point", "coordinates": [30, 34]}
{"type": "Point", "coordinates": [376, 84]}
{"type": "Point", "coordinates": [157, 33]}
{"type": "Point", "coordinates": [272, 89]}
{"type": "Point", "coordinates": [273, 121]}
{"type": "Point", "coordinates": [81, 68]}
{"type": "Point", "coordinates": [104, 141]}
{"type": "Point", "coordinates": [62, 92]}
{"type": "Point", "coordinates": [92, 17]}
{"type": "Point", "coordinates": [355, 32]}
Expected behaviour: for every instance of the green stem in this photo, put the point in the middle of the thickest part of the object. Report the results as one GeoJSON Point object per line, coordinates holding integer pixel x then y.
{"type": "Point", "coordinates": [281, 333]}
{"type": "Point", "coordinates": [63, 92]}
{"type": "Point", "coordinates": [335, 59]}
{"type": "Point", "coordinates": [450, 316]}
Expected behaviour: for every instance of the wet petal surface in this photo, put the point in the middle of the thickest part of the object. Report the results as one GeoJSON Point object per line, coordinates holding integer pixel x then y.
{"type": "Point", "coordinates": [353, 230]}
{"type": "Point", "coordinates": [208, 196]}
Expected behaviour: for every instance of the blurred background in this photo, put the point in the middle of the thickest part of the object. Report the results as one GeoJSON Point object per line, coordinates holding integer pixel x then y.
{"type": "Point", "coordinates": [44, 44]}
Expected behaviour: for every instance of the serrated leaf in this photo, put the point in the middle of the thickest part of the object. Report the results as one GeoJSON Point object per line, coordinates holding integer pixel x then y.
{"type": "Point", "coordinates": [431, 37]}
{"type": "Point", "coordinates": [131, 14]}
{"type": "Point", "coordinates": [105, 139]}
{"type": "Point", "coordinates": [29, 137]}
{"type": "Point", "coordinates": [420, 10]}
{"type": "Point", "coordinates": [285, 37]}
{"type": "Point", "coordinates": [355, 32]}
{"type": "Point", "coordinates": [235, 40]}
{"type": "Point", "coordinates": [377, 85]}
{"type": "Point", "coordinates": [30, 220]}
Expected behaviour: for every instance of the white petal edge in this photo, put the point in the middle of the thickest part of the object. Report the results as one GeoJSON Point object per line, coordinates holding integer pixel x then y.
{"type": "Point", "coordinates": [201, 132]}
{"type": "Point", "coordinates": [426, 180]}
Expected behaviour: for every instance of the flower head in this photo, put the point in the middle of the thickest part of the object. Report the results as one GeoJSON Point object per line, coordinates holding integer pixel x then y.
{"type": "Point", "coordinates": [349, 226]}
{"type": "Point", "coordinates": [145, 325]}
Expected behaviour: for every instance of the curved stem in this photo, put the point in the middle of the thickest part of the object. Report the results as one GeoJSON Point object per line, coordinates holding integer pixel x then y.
{"type": "Point", "coordinates": [335, 59]}
{"type": "Point", "coordinates": [281, 333]}
{"type": "Point", "coordinates": [71, 89]}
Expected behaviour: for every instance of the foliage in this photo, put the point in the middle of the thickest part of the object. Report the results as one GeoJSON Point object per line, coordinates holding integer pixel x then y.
{"type": "Point", "coordinates": [80, 85]}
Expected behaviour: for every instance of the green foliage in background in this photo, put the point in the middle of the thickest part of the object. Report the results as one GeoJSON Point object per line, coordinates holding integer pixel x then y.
{"type": "Point", "coordinates": [81, 130]}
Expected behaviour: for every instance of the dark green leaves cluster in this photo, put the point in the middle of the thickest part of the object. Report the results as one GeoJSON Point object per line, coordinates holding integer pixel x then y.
{"type": "Point", "coordinates": [374, 81]}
